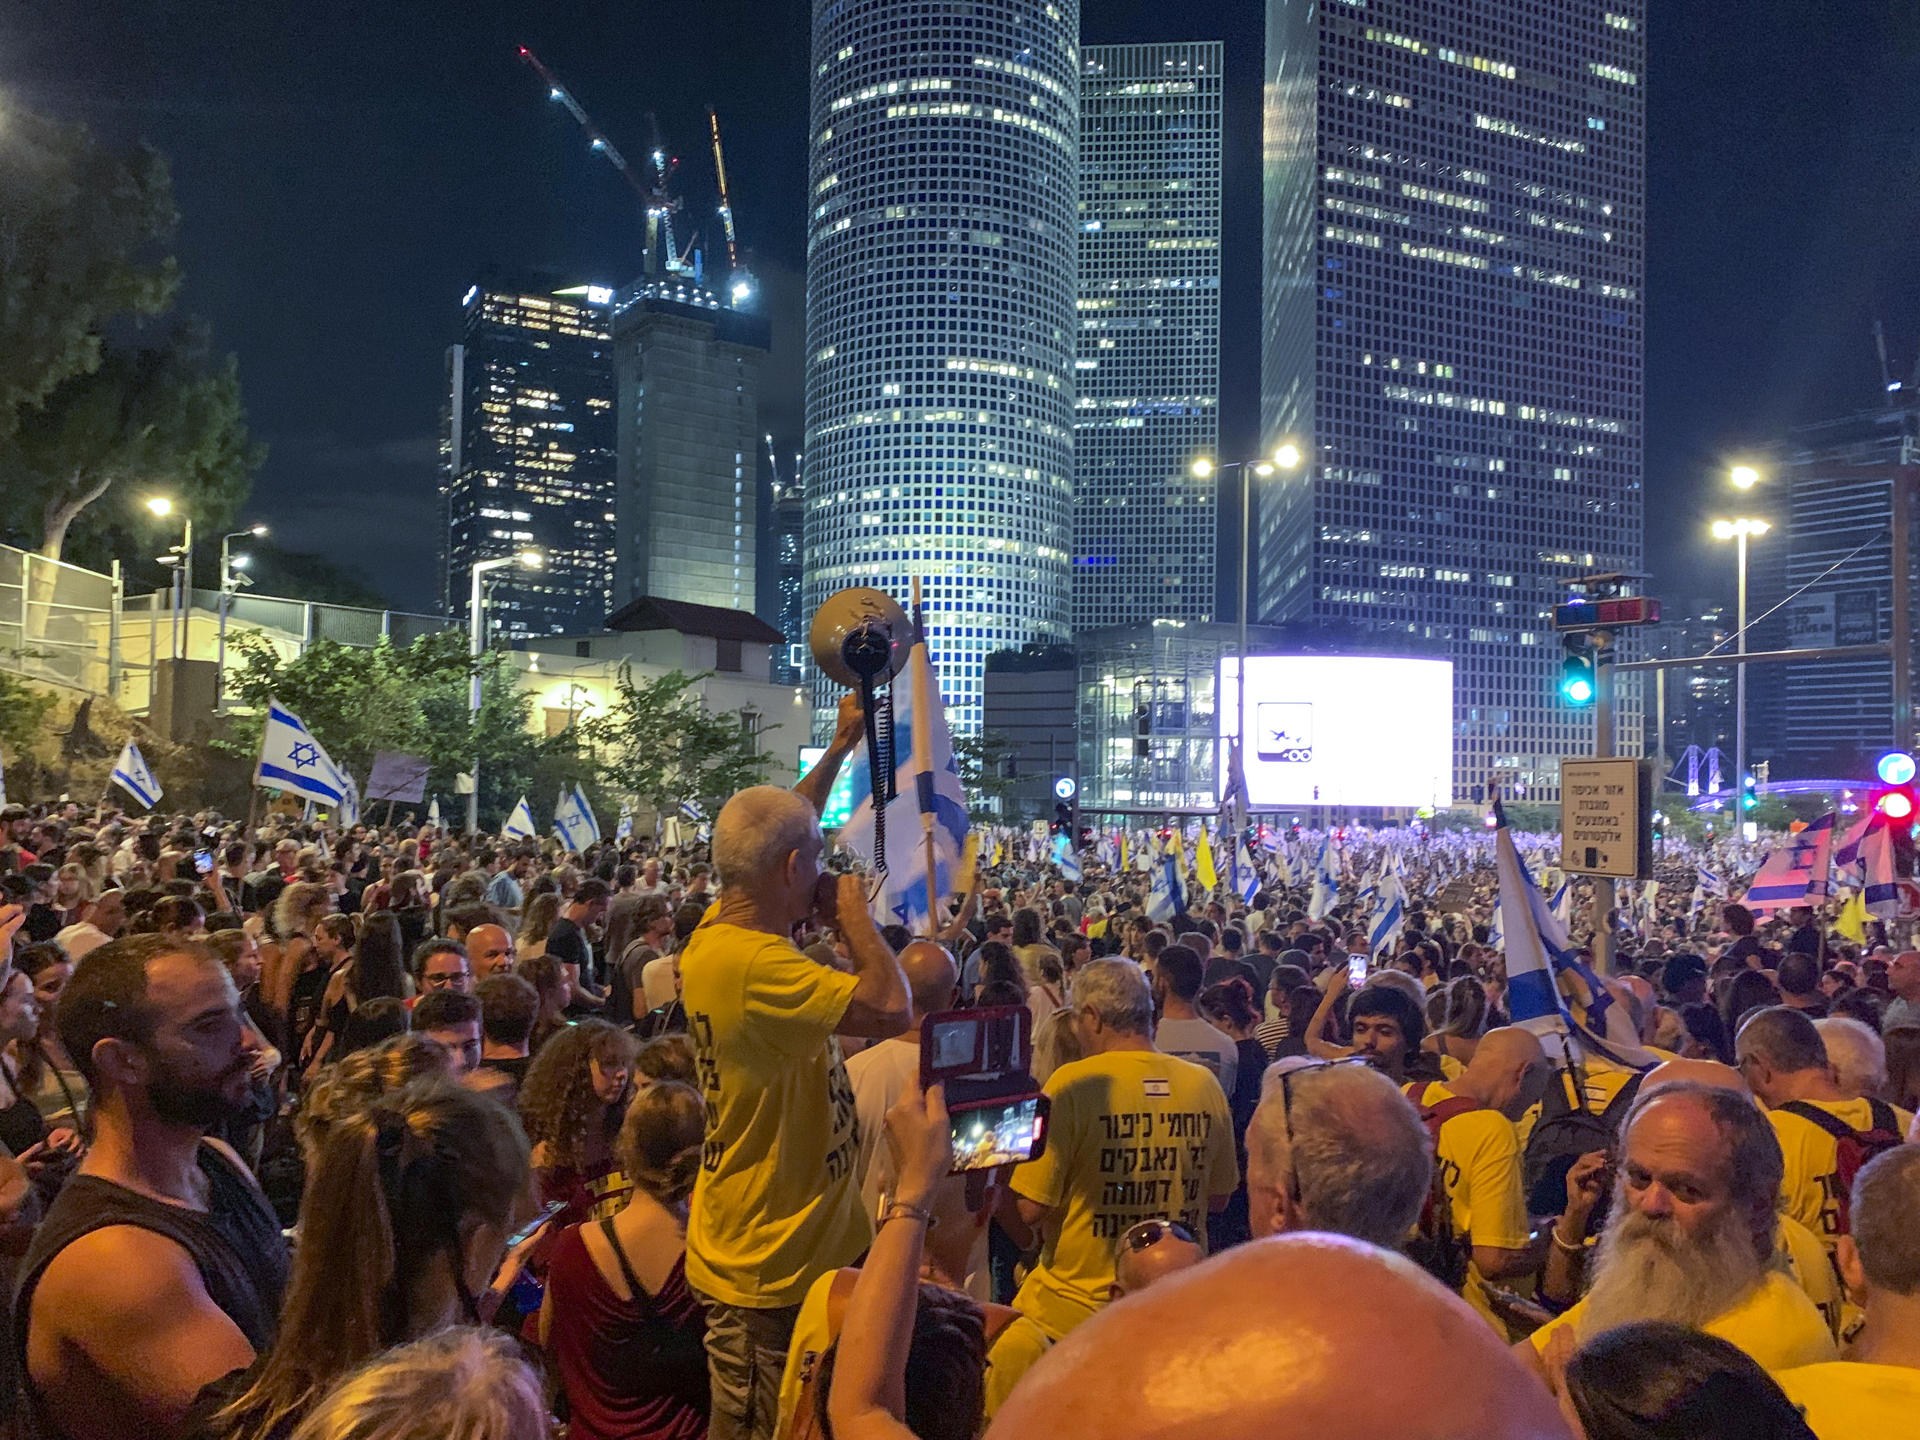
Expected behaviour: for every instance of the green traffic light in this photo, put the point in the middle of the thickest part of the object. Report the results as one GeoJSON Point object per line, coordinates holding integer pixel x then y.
{"type": "Point", "coordinates": [1576, 680]}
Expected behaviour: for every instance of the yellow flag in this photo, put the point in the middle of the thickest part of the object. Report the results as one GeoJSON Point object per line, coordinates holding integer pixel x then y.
{"type": "Point", "coordinates": [1853, 918]}
{"type": "Point", "coordinates": [1203, 861]}
{"type": "Point", "coordinates": [1123, 849]}
{"type": "Point", "coordinates": [999, 851]}
{"type": "Point", "coordinates": [1177, 848]}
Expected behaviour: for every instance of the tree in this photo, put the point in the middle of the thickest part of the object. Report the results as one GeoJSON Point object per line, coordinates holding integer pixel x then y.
{"type": "Point", "coordinates": [660, 744]}
{"type": "Point", "coordinates": [84, 241]}
{"type": "Point", "coordinates": [411, 699]}
{"type": "Point", "coordinates": [982, 760]}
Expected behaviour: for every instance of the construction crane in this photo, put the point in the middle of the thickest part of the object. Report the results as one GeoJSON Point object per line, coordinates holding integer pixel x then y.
{"type": "Point", "coordinates": [660, 206]}
{"type": "Point", "coordinates": [741, 282]}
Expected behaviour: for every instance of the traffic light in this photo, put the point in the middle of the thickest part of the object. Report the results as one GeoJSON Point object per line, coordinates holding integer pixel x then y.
{"type": "Point", "coordinates": [1747, 798]}
{"type": "Point", "coordinates": [1062, 819]}
{"type": "Point", "coordinates": [1897, 801]}
{"type": "Point", "coordinates": [1578, 682]}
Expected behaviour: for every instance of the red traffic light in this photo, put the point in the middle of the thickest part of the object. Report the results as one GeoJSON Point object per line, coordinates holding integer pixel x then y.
{"type": "Point", "coordinates": [1895, 805]}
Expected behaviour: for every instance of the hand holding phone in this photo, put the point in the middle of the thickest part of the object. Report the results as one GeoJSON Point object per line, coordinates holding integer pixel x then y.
{"type": "Point", "coordinates": [919, 1140]}
{"type": "Point", "coordinates": [1356, 971]}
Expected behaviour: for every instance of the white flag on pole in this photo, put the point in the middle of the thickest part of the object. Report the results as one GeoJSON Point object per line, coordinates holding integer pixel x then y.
{"type": "Point", "coordinates": [519, 824]}
{"type": "Point", "coordinates": [573, 819]}
{"type": "Point", "coordinates": [131, 774]}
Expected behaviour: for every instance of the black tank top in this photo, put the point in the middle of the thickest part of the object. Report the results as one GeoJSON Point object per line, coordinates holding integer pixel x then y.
{"type": "Point", "coordinates": [235, 1244]}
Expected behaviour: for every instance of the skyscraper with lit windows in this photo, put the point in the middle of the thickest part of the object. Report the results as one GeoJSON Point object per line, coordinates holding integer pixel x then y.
{"type": "Point", "coordinates": [1148, 364]}
{"type": "Point", "coordinates": [528, 452]}
{"type": "Point", "coordinates": [1452, 330]}
{"type": "Point", "coordinates": [942, 182]}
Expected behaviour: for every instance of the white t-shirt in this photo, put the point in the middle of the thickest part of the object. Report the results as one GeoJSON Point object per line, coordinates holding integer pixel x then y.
{"type": "Point", "coordinates": [1203, 1044]}
{"type": "Point", "coordinates": [656, 981]}
{"type": "Point", "coordinates": [880, 1075]}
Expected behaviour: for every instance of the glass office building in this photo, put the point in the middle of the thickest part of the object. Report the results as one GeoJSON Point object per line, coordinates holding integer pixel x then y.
{"type": "Point", "coordinates": [1452, 330]}
{"type": "Point", "coordinates": [1148, 362]}
{"type": "Point", "coordinates": [528, 454]}
{"type": "Point", "coordinates": [942, 182]}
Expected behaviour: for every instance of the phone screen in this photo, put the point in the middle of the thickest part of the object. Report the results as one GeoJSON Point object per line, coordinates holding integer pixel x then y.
{"type": "Point", "coordinates": [1356, 970]}
{"type": "Point", "coordinates": [203, 861]}
{"type": "Point", "coordinates": [1003, 1134]}
{"type": "Point", "coordinates": [525, 1232]}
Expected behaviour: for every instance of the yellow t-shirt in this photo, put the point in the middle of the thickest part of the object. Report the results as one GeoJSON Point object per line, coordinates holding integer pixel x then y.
{"type": "Point", "coordinates": [1135, 1134]}
{"type": "Point", "coordinates": [1810, 1191]}
{"type": "Point", "coordinates": [1017, 1350]}
{"type": "Point", "coordinates": [811, 1337]}
{"type": "Point", "coordinates": [776, 1203]}
{"type": "Point", "coordinates": [1479, 1156]}
{"type": "Point", "coordinates": [1846, 1400]}
{"type": "Point", "coordinates": [1775, 1323]}
{"type": "Point", "coordinates": [1799, 1250]}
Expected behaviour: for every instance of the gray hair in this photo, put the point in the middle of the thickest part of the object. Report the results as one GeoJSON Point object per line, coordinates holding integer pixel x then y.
{"type": "Point", "coordinates": [756, 831]}
{"type": "Point", "coordinates": [1858, 1055]}
{"type": "Point", "coordinates": [466, 1382]}
{"type": "Point", "coordinates": [1755, 1164]}
{"type": "Point", "coordinates": [1886, 1196]}
{"type": "Point", "coordinates": [1117, 991]}
{"type": "Point", "coordinates": [1360, 1155]}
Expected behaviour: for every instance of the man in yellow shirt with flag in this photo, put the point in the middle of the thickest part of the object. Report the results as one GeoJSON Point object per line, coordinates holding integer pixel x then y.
{"type": "Point", "coordinates": [776, 1203]}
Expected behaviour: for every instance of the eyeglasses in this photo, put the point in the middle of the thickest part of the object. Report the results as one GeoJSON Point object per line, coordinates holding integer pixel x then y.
{"type": "Point", "coordinates": [1148, 1233]}
{"type": "Point", "coordinates": [433, 981]}
{"type": "Point", "coordinates": [1286, 1111]}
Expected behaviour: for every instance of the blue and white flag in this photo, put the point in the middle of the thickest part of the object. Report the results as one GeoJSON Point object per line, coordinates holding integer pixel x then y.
{"type": "Point", "coordinates": [1249, 872]}
{"type": "Point", "coordinates": [520, 824]}
{"type": "Point", "coordinates": [347, 813]}
{"type": "Point", "coordinates": [929, 801]}
{"type": "Point", "coordinates": [1882, 893]}
{"type": "Point", "coordinates": [1067, 858]}
{"type": "Point", "coordinates": [292, 761]}
{"type": "Point", "coordinates": [1550, 989]}
{"type": "Point", "coordinates": [1707, 882]}
{"type": "Point", "coordinates": [691, 809]}
{"type": "Point", "coordinates": [1165, 899]}
{"type": "Point", "coordinates": [573, 819]}
{"type": "Point", "coordinates": [1562, 902]}
{"type": "Point", "coordinates": [1846, 851]}
{"type": "Point", "coordinates": [1326, 882]}
{"type": "Point", "coordinates": [131, 774]}
{"type": "Point", "coordinates": [623, 832]}
{"type": "Point", "coordinates": [1496, 927]}
{"type": "Point", "coordinates": [1797, 874]}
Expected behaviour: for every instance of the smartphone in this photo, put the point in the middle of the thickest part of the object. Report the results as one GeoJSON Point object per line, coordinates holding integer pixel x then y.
{"type": "Point", "coordinates": [203, 861]}
{"type": "Point", "coordinates": [526, 1231]}
{"type": "Point", "coordinates": [1003, 1132]}
{"type": "Point", "coordinates": [1356, 970]}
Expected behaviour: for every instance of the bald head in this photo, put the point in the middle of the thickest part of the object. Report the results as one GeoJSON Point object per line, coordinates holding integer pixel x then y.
{"type": "Point", "coordinates": [931, 976]}
{"type": "Point", "coordinates": [1710, 1073]}
{"type": "Point", "coordinates": [1134, 1270]}
{"type": "Point", "coordinates": [489, 950]}
{"type": "Point", "coordinates": [766, 846]}
{"type": "Point", "coordinates": [1508, 1071]}
{"type": "Point", "coordinates": [1284, 1338]}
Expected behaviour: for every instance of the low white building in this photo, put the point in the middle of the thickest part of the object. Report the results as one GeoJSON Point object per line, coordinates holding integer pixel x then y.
{"type": "Point", "coordinates": [576, 677]}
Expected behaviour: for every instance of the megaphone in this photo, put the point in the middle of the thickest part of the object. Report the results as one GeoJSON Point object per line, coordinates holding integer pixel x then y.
{"type": "Point", "coordinates": [860, 635]}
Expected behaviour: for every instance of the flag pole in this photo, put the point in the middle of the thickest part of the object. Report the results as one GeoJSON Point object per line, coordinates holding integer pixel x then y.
{"type": "Point", "coordinates": [922, 742]}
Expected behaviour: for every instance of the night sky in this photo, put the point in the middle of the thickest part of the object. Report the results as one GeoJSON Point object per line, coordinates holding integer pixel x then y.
{"type": "Point", "coordinates": [344, 172]}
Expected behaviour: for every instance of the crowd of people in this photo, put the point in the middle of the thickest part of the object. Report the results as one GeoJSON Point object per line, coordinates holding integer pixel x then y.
{"type": "Point", "coordinates": [391, 1132]}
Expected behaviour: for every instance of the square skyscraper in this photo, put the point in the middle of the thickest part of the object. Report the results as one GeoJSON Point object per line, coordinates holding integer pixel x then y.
{"type": "Point", "coordinates": [1452, 331]}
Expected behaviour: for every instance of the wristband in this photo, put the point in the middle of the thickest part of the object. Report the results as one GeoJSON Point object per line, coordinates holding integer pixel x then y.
{"type": "Point", "coordinates": [1562, 1246]}
{"type": "Point", "coordinates": [901, 1210]}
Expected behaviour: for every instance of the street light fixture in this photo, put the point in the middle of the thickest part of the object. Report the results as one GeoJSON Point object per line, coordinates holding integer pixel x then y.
{"type": "Point", "coordinates": [1740, 531]}
{"type": "Point", "coordinates": [229, 582]}
{"type": "Point", "coordinates": [1286, 456]}
{"type": "Point", "coordinates": [1744, 477]}
{"type": "Point", "coordinates": [477, 646]}
{"type": "Point", "coordinates": [181, 593]}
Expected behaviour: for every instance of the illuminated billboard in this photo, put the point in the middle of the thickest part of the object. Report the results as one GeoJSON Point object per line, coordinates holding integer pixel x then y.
{"type": "Point", "coordinates": [1352, 730]}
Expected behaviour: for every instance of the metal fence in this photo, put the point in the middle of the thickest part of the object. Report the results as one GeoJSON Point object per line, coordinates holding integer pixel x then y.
{"type": "Point", "coordinates": [75, 628]}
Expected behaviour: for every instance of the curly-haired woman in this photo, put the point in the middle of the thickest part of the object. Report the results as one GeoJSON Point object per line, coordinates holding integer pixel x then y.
{"type": "Point", "coordinates": [572, 1102]}
{"type": "Point", "coordinates": [625, 1331]}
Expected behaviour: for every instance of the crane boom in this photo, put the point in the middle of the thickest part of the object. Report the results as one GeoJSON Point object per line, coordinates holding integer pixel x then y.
{"type": "Point", "coordinates": [596, 138]}
{"type": "Point", "coordinates": [726, 204]}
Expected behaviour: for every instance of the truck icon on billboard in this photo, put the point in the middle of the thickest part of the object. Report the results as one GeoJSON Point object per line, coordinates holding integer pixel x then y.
{"type": "Point", "coordinates": [1284, 731]}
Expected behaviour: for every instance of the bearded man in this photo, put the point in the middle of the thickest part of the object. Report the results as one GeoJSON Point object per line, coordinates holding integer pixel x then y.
{"type": "Point", "coordinates": [1690, 1238]}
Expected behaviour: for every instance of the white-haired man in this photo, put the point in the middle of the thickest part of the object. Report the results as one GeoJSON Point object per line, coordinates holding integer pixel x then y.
{"type": "Point", "coordinates": [1690, 1238]}
{"type": "Point", "coordinates": [777, 1202]}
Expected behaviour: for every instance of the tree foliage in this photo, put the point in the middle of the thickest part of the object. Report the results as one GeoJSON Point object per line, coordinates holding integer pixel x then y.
{"type": "Point", "coordinates": [90, 399]}
{"type": "Point", "coordinates": [660, 744]}
{"type": "Point", "coordinates": [982, 760]}
{"type": "Point", "coordinates": [411, 699]}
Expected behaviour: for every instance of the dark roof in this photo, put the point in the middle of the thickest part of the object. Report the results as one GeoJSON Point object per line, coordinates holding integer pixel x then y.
{"type": "Point", "coordinates": [650, 612]}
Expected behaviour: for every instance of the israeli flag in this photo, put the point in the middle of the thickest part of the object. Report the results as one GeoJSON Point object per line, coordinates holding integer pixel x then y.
{"type": "Point", "coordinates": [573, 819]}
{"type": "Point", "coordinates": [519, 824]}
{"type": "Point", "coordinates": [292, 761]}
{"type": "Point", "coordinates": [1798, 873]}
{"type": "Point", "coordinates": [131, 774]}
{"type": "Point", "coordinates": [1882, 893]}
{"type": "Point", "coordinates": [1494, 927]}
{"type": "Point", "coordinates": [1249, 873]}
{"type": "Point", "coordinates": [347, 813]}
{"type": "Point", "coordinates": [1709, 883]}
{"type": "Point", "coordinates": [929, 803]}
{"type": "Point", "coordinates": [1388, 921]}
{"type": "Point", "coordinates": [1846, 853]}
{"type": "Point", "coordinates": [689, 808]}
{"type": "Point", "coordinates": [623, 832]}
{"type": "Point", "coordinates": [1326, 883]}
{"type": "Point", "coordinates": [1069, 861]}
{"type": "Point", "coordinates": [1550, 990]}
{"type": "Point", "coordinates": [1562, 902]}
{"type": "Point", "coordinates": [1165, 899]}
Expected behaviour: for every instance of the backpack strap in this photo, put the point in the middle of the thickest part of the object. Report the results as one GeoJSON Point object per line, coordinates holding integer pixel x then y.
{"type": "Point", "coordinates": [640, 1296]}
{"type": "Point", "coordinates": [1885, 1119]}
{"type": "Point", "coordinates": [1622, 1101]}
{"type": "Point", "coordinates": [1832, 1124]}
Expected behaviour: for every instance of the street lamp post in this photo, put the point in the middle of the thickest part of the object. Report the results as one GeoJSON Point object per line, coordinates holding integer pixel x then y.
{"type": "Point", "coordinates": [229, 581]}
{"type": "Point", "coordinates": [162, 506]}
{"type": "Point", "coordinates": [477, 646]}
{"type": "Point", "coordinates": [1286, 457]}
{"type": "Point", "coordinates": [1739, 531]}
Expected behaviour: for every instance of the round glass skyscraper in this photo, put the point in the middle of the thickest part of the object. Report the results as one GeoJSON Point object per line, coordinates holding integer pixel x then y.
{"type": "Point", "coordinates": [941, 318]}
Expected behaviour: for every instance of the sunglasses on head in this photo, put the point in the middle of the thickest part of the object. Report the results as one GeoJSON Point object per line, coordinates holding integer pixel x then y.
{"type": "Point", "coordinates": [1148, 1233]}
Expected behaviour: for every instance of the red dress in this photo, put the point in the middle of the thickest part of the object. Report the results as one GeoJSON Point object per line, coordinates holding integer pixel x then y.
{"type": "Point", "coordinates": [633, 1369]}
